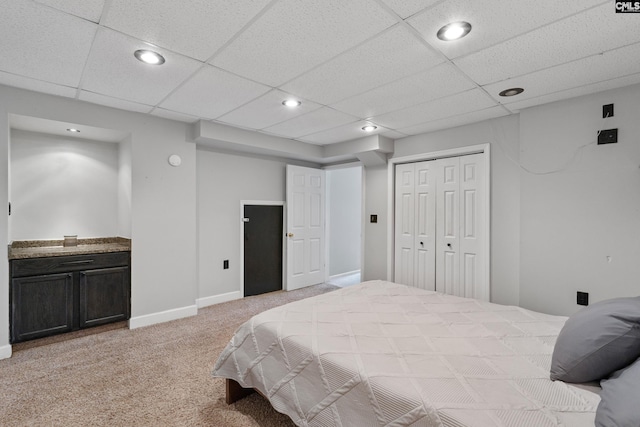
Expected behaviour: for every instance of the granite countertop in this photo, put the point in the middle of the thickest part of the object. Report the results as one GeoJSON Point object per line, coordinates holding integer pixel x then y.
{"type": "Point", "coordinates": [25, 249]}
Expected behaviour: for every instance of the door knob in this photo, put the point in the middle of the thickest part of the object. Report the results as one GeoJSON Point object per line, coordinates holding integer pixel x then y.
{"type": "Point", "coordinates": [421, 243]}
{"type": "Point", "coordinates": [449, 245]}
{"type": "Point", "coordinates": [290, 234]}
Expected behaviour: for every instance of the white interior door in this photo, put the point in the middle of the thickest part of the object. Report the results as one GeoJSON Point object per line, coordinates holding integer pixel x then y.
{"type": "Point", "coordinates": [447, 227]}
{"type": "Point", "coordinates": [405, 224]}
{"type": "Point", "coordinates": [440, 222]}
{"type": "Point", "coordinates": [472, 233]}
{"type": "Point", "coordinates": [425, 238]}
{"type": "Point", "coordinates": [305, 226]}
{"type": "Point", "coordinates": [415, 225]}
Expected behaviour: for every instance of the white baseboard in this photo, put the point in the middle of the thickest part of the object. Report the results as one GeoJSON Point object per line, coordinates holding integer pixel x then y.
{"type": "Point", "coordinates": [163, 316]}
{"type": "Point", "coordinates": [217, 299]}
{"type": "Point", "coordinates": [5, 352]}
{"type": "Point", "coordinates": [348, 273]}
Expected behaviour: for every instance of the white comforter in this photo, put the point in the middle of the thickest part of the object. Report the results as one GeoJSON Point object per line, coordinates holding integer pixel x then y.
{"type": "Point", "coordinates": [383, 354]}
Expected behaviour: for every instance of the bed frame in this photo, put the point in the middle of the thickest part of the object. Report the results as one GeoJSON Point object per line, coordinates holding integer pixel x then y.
{"type": "Point", "coordinates": [234, 391]}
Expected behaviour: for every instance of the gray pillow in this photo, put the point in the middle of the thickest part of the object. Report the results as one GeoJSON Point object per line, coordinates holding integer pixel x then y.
{"type": "Point", "coordinates": [597, 341]}
{"type": "Point", "coordinates": [619, 399]}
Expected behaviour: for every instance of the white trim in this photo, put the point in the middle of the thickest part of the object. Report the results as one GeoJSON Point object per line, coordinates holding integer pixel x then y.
{"type": "Point", "coordinates": [284, 232]}
{"type": "Point", "coordinates": [217, 299]}
{"type": "Point", "coordinates": [5, 351]}
{"type": "Point", "coordinates": [348, 273]}
{"type": "Point", "coordinates": [327, 224]}
{"type": "Point", "coordinates": [162, 316]}
{"type": "Point", "coordinates": [460, 151]}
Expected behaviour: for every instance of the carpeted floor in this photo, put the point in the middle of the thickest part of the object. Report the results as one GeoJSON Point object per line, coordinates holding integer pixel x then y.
{"type": "Point", "coordinates": [154, 376]}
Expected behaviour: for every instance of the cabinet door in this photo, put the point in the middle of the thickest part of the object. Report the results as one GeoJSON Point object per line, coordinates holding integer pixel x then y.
{"type": "Point", "coordinates": [104, 296]}
{"type": "Point", "coordinates": [41, 306]}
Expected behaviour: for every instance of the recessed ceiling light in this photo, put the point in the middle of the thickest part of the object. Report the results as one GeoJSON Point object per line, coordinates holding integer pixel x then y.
{"type": "Point", "coordinates": [512, 91]}
{"type": "Point", "coordinates": [291, 103]}
{"type": "Point", "coordinates": [73, 130]}
{"type": "Point", "coordinates": [454, 31]}
{"type": "Point", "coordinates": [149, 57]}
{"type": "Point", "coordinates": [369, 128]}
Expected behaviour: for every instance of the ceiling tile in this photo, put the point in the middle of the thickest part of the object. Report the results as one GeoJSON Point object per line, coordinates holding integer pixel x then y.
{"type": "Point", "coordinates": [493, 21]}
{"type": "Point", "coordinates": [172, 115]}
{"type": "Point", "coordinates": [609, 65]}
{"type": "Point", "coordinates": [454, 105]}
{"type": "Point", "coordinates": [43, 43]}
{"type": "Point", "coordinates": [86, 9]}
{"type": "Point", "coordinates": [108, 101]}
{"type": "Point", "coordinates": [406, 8]}
{"type": "Point", "coordinates": [451, 122]}
{"type": "Point", "coordinates": [113, 70]}
{"type": "Point", "coordinates": [294, 36]}
{"type": "Point", "coordinates": [342, 133]}
{"type": "Point", "coordinates": [394, 54]}
{"type": "Point", "coordinates": [438, 82]}
{"type": "Point", "coordinates": [196, 28]}
{"type": "Point", "coordinates": [212, 92]}
{"type": "Point", "coordinates": [36, 85]}
{"type": "Point", "coordinates": [321, 119]}
{"type": "Point", "coordinates": [531, 52]}
{"type": "Point", "coordinates": [266, 111]}
{"type": "Point", "coordinates": [575, 92]}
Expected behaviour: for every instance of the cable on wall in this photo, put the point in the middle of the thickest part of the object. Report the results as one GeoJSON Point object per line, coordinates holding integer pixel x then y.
{"type": "Point", "coordinates": [562, 168]}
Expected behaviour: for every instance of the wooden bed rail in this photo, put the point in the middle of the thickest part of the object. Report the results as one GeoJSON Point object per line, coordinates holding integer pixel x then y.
{"type": "Point", "coordinates": [235, 391]}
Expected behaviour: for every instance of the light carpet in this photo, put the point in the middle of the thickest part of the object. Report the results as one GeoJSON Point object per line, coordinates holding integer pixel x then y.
{"type": "Point", "coordinates": [159, 375]}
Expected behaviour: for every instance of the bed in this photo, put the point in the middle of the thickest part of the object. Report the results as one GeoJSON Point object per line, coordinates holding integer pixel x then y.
{"type": "Point", "coordinates": [384, 354]}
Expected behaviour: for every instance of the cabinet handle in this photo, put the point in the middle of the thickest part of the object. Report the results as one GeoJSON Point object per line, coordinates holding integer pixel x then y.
{"type": "Point", "coordinates": [85, 261]}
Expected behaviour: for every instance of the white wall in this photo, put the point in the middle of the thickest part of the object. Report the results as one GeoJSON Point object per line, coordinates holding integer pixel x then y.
{"type": "Point", "coordinates": [345, 219]}
{"type": "Point", "coordinates": [505, 199]}
{"type": "Point", "coordinates": [124, 188]}
{"type": "Point", "coordinates": [163, 209]}
{"type": "Point", "coordinates": [62, 186]}
{"type": "Point", "coordinates": [573, 220]}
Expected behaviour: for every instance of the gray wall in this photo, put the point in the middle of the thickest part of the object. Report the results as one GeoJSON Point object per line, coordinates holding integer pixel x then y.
{"type": "Point", "coordinates": [62, 186]}
{"type": "Point", "coordinates": [375, 234]}
{"type": "Point", "coordinates": [163, 209]}
{"type": "Point", "coordinates": [573, 220]}
{"type": "Point", "coordinates": [223, 180]}
{"type": "Point", "coordinates": [344, 196]}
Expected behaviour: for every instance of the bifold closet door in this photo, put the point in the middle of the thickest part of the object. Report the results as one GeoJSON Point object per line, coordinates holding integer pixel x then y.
{"type": "Point", "coordinates": [415, 225]}
{"type": "Point", "coordinates": [438, 229]}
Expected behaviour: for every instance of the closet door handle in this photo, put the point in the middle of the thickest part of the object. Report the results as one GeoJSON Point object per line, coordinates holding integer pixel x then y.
{"type": "Point", "coordinates": [449, 245]}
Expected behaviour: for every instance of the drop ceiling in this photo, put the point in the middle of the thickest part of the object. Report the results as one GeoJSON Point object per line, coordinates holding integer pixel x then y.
{"type": "Point", "coordinates": [350, 62]}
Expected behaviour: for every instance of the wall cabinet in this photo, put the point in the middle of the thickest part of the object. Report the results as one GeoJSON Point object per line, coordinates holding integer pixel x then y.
{"type": "Point", "coordinates": [60, 294]}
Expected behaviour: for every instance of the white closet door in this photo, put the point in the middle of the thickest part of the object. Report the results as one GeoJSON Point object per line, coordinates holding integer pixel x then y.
{"type": "Point", "coordinates": [472, 232]}
{"type": "Point", "coordinates": [425, 223]}
{"type": "Point", "coordinates": [440, 222]}
{"type": "Point", "coordinates": [404, 224]}
{"type": "Point", "coordinates": [447, 227]}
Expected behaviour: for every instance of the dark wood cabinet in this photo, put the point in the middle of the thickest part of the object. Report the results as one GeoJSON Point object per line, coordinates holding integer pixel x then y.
{"type": "Point", "coordinates": [60, 294]}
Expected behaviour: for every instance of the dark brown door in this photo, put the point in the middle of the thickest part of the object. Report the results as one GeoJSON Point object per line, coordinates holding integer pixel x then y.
{"type": "Point", "coordinates": [104, 296]}
{"type": "Point", "coordinates": [263, 237]}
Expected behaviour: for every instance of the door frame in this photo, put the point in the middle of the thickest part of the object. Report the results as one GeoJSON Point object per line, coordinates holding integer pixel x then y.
{"type": "Point", "coordinates": [327, 215]}
{"type": "Point", "coordinates": [284, 227]}
{"type": "Point", "coordinates": [484, 149]}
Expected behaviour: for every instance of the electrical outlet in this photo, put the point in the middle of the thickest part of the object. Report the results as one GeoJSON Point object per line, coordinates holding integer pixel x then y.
{"type": "Point", "coordinates": [225, 264]}
{"type": "Point", "coordinates": [608, 136]}
{"type": "Point", "coordinates": [582, 298]}
{"type": "Point", "coordinates": [607, 111]}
